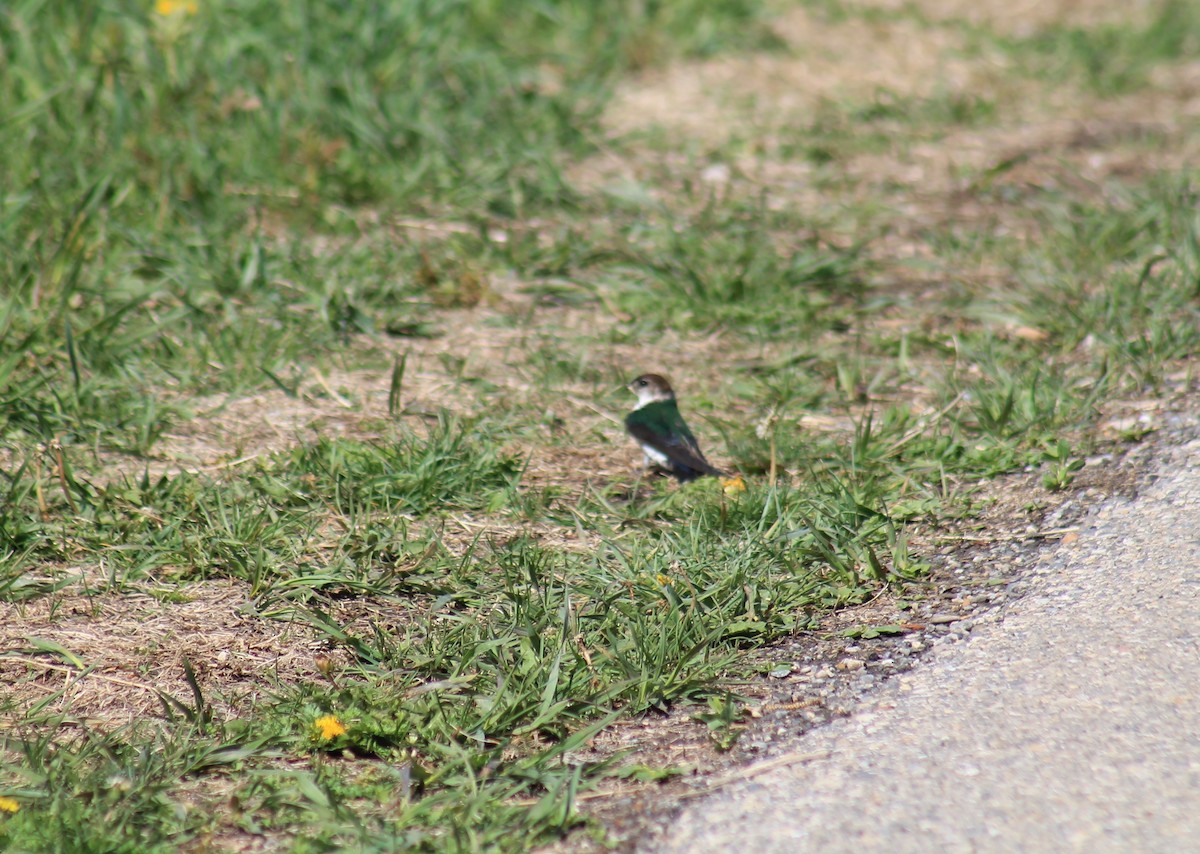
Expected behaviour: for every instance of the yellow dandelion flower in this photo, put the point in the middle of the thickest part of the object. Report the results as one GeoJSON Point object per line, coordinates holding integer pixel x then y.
{"type": "Point", "coordinates": [165, 8]}
{"type": "Point", "coordinates": [9, 805]}
{"type": "Point", "coordinates": [733, 485]}
{"type": "Point", "coordinates": [329, 727]}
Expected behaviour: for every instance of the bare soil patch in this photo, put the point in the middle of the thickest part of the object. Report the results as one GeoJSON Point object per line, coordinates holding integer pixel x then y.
{"type": "Point", "coordinates": [124, 648]}
{"type": "Point", "coordinates": [741, 110]}
{"type": "Point", "coordinates": [1020, 18]}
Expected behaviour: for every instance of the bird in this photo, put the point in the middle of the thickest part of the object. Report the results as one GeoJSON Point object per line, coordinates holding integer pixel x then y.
{"type": "Point", "coordinates": [656, 425]}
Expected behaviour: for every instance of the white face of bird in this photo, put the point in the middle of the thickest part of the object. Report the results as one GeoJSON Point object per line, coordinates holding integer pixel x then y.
{"type": "Point", "coordinates": [651, 388]}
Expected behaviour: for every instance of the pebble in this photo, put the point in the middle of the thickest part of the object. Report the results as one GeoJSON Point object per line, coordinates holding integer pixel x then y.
{"type": "Point", "coordinates": [943, 619]}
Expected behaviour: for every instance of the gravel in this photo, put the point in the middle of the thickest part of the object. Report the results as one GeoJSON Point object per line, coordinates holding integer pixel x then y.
{"type": "Point", "coordinates": [1065, 719]}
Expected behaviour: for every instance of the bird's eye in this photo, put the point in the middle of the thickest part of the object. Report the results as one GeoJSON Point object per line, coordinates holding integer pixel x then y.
{"type": "Point", "coordinates": [643, 383]}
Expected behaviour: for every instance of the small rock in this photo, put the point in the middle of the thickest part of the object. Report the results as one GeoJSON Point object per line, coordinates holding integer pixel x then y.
{"type": "Point", "coordinates": [943, 619]}
{"type": "Point", "coordinates": [851, 664]}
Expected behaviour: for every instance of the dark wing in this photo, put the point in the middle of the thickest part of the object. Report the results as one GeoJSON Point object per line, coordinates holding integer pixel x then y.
{"type": "Point", "coordinates": [681, 450]}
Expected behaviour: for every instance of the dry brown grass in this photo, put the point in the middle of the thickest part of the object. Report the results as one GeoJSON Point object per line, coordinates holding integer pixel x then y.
{"type": "Point", "coordinates": [132, 645]}
{"type": "Point", "coordinates": [1056, 134]}
{"type": "Point", "coordinates": [1024, 17]}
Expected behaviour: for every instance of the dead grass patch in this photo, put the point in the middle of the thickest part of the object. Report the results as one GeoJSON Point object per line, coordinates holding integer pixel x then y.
{"type": "Point", "coordinates": [132, 645]}
{"type": "Point", "coordinates": [1040, 136]}
{"type": "Point", "coordinates": [709, 102]}
{"type": "Point", "coordinates": [1021, 19]}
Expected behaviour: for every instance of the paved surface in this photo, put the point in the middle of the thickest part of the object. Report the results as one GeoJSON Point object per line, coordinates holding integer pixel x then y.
{"type": "Point", "coordinates": [1070, 721]}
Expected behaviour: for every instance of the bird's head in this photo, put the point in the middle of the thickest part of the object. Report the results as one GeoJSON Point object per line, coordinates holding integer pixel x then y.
{"type": "Point", "coordinates": [651, 388]}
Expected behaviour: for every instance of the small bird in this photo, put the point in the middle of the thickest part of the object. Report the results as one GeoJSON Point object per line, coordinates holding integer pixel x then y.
{"type": "Point", "coordinates": [663, 434]}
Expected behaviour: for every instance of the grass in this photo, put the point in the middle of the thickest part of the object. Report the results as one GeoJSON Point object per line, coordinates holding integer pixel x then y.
{"type": "Point", "coordinates": [333, 350]}
{"type": "Point", "coordinates": [1114, 58]}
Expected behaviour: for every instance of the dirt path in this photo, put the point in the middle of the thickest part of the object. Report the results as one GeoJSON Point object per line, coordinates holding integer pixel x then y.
{"type": "Point", "coordinates": [1067, 723]}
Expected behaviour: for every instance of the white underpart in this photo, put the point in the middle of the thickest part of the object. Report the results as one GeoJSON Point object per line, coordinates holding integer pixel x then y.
{"type": "Point", "coordinates": [655, 456]}
{"type": "Point", "coordinates": [650, 394]}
